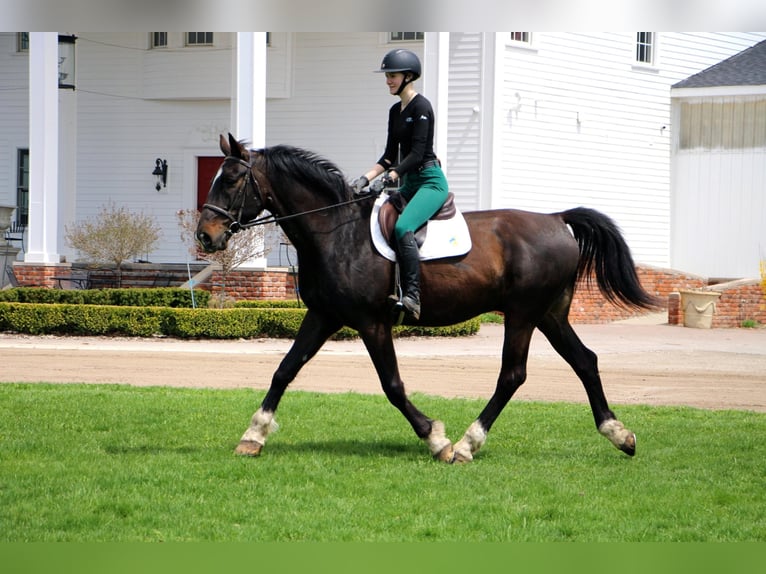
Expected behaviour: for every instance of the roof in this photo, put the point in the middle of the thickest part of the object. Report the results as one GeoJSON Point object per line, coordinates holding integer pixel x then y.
{"type": "Point", "coordinates": [747, 68]}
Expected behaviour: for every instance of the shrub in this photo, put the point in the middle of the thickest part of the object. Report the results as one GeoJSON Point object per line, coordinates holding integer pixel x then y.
{"type": "Point", "coordinates": [149, 297]}
{"type": "Point", "coordinates": [241, 247]}
{"type": "Point", "coordinates": [115, 235]}
{"type": "Point", "coordinates": [79, 319]}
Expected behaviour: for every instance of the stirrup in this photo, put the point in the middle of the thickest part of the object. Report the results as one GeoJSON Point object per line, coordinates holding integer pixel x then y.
{"type": "Point", "coordinates": [400, 311]}
{"type": "Point", "coordinates": [397, 309]}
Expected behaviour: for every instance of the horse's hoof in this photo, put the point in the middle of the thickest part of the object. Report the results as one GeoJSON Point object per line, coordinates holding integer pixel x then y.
{"type": "Point", "coordinates": [248, 448]}
{"type": "Point", "coordinates": [629, 446]}
{"type": "Point", "coordinates": [461, 457]}
{"type": "Point", "coordinates": [445, 455]}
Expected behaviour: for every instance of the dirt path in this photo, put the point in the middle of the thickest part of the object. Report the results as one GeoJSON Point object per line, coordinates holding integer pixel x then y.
{"type": "Point", "coordinates": [651, 364]}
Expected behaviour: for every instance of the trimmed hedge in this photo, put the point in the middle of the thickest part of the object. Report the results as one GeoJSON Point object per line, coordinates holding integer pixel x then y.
{"type": "Point", "coordinates": [149, 297]}
{"type": "Point", "coordinates": [271, 304]}
{"type": "Point", "coordinates": [42, 319]}
{"type": "Point", "coordinates": [132, 321]}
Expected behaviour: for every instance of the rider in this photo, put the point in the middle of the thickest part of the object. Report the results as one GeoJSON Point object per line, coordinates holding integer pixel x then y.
{"type": "Point", "coordinates": [418, 173]}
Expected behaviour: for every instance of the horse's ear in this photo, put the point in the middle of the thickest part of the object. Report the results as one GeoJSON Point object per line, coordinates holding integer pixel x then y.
{"type": "Point", "coordinates": [225, 147]}
{"type": "Point", "coordinates": [237, 150]}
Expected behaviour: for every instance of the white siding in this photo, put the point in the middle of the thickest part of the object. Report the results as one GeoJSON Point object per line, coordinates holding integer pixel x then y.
{"type": "Point", "coordinates": [14, 113]}
{"type": "Point", "coordinates": [121, 133]}
{"type": "Point", "coordinates": [338, 106]}
{"type": "Point", "coordinates": [579, 124]}
{"type": "Point", "coordinates": [720, 212]}
{"type": "Point", "coordinates": [584, 126]}
{"type": "Point", "coordinates": [464, 132]}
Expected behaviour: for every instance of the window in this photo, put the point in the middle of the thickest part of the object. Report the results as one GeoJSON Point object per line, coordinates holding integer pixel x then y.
{"type": "Point", "coordinates": [722, 124]}
{"type": "Point", "coordinates": [406, 37]}
{"type": "Point", "coordinates": [199, 38]}
{"type": "Point", "coordinates": [22, 188]}
{"type": "Point", "coordinates": [159, 40]}
{"type": "Point", "coordinates": [645, 47]}
{"type": "Point", "coordinates": [22, 42]}
{"type": "Point", "coordinates": [523, 37]}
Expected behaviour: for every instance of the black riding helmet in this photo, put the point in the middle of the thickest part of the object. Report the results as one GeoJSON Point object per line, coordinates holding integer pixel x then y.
{"type": "Point", "coordinates": [401, 60]}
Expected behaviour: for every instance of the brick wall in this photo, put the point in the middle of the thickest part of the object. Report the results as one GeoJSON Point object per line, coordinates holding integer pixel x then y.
{"type": "Point", "coordinates": [740, 301]}
{"type": "Point", "coordinates": [248, 284]}
{"type": "Point", "coordinates": [31, 275]}
{"type": "Point", "coordinates": [589, 306]}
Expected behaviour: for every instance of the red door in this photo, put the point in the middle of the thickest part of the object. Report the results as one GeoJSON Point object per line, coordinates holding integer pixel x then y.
{"type": "Point", "coordinates": [207, 167]}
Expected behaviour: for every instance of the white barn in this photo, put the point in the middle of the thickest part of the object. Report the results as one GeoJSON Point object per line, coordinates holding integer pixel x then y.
{"type": "Point", "coordinates": [719, 167]}
{"type": "Point", "coordinates": [540, 121]}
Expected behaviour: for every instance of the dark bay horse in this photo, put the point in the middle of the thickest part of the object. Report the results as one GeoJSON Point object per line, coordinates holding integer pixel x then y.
{"type": "Point", "coordinates": [523, 264]}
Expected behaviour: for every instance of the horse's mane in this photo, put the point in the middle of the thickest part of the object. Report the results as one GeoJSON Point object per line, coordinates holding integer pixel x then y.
{"type": "Point", "coordinates": [310, 169]}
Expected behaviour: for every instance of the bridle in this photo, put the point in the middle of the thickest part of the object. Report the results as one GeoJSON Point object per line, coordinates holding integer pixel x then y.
{"type": "Point", "coordinates": [236, 224]}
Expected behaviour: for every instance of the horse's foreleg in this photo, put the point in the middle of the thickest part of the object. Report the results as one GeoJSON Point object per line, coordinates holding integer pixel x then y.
{"type": "Point", "coordinates": [314, 331]}
{"type": "Point", "coordinates": [585, 364]}
{"type": "Point", "coordinates": [254, 438]}
{"type": "Point", "coordinates": [380, 346]}
{"type": "Point", "coordinates": [513, 373]}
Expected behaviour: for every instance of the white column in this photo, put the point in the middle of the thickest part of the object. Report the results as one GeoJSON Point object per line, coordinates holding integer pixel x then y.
{"type": "Point", "coordinates": [493, 47]}
{"type": "Point", "coordinates": [249, 102]}
{"type": "Point", "coordinates": [249, 99]}
{"type": "Point", "coordinates": [67, 181]}
{"type": "Point", "coordinates": [436, 87]}
{"type": "Point", "coordinates": [43, 148]}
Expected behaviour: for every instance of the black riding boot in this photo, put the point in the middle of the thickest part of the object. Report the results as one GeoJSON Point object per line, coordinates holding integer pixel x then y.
{"type": "Point", "coordinates": [409, 273]}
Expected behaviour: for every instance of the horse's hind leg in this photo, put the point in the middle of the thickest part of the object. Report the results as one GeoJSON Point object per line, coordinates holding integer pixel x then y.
{"type": "Point", "coordinates": [565, 341]}
{"type": "Point", "coordinates": [513, 373]}
{"type": "Point", "coordinates": [313, 333]}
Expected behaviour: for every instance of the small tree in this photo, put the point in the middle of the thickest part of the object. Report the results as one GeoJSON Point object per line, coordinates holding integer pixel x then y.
{"type": "Point", "coordinates": [115, 235]}
{"type": "Point", "coordinates": [242, 247]}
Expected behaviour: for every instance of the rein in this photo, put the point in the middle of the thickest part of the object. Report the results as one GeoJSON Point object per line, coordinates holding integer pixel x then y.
{"type": "Point", "coordinates": [236, 222]}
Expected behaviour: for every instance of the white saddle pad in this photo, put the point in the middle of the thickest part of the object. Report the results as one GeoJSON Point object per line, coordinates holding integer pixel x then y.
{"type": "Point", "coordinates": [444, 238]}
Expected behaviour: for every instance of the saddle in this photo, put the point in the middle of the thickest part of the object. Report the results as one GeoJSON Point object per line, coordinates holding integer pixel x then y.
{"type": "Point", "coordinates": [446, 234]}
{"type": "Point", "coordinates": [392, 208]}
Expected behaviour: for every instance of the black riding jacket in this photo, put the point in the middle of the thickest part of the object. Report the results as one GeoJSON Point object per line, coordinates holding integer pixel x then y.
{"type": "Point", "coordinates": [410, 131]}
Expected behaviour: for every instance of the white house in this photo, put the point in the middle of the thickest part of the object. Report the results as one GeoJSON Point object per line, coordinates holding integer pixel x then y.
{"type": "Point", "coordinates": [539, 121]}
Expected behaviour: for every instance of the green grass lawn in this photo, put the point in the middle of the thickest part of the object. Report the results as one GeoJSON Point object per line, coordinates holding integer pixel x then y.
{"type": "Point", "coordinates": [117, 463]}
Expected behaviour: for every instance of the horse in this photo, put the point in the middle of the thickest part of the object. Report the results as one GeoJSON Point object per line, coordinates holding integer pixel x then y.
{"type": "Point", "coordinates": [524, 265]}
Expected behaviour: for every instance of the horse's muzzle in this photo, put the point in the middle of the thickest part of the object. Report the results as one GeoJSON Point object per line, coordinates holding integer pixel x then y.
{"type": "Point", "coordinates": [206, 242]}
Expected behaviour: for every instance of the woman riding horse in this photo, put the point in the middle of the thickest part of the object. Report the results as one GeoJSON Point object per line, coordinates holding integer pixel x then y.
{"type": "Point", "coordinates": [423, 185]}
{"type": "Point", "coordinates": [525, 265]}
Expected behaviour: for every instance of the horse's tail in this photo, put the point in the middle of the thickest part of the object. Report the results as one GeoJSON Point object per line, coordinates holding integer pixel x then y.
{"type": "Point", "coordinates": [603, 252]}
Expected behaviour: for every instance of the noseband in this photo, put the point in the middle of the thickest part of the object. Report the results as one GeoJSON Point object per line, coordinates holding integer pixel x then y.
{"type": "Point", "coordinates": [236, 225]}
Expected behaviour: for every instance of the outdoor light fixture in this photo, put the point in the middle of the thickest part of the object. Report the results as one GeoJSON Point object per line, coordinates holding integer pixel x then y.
{"type": "Point", "coordinates": [66, 62]}
{"type": "Point", "coordinates": [160, 172]}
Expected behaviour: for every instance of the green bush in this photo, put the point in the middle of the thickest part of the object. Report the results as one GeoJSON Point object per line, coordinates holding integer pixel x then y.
{"type": "Point", "coordinates": [271, 304]}
{"type": "Point", "coordinates": [41, 319]}
{"type": "Point", "coordinates": [133, 321]}
{"type": "Point", "coordinates": [149, 297]}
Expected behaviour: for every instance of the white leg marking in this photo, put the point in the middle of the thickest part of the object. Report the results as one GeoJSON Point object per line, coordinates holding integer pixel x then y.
{"type": "Point", "coordinates": [261, 425]}
{"type": "Point", "coordinates": [615, 431]}
{"type": "Point", "coordinates": [472, 440]}
{"type": "Point", "coordinates": [437, 440]}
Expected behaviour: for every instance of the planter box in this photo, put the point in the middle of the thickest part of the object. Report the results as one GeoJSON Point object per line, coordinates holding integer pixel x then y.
{"type": "Point", "coordinates": [698, 308]}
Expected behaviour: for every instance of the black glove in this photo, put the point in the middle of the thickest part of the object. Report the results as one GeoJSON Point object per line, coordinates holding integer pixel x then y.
{"type": "Point", "coordinates": [388, 181]}
{"type": "Point", "coordinates": [380, 184]}
{"type": "Point", "coordinates": [359, 184]}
